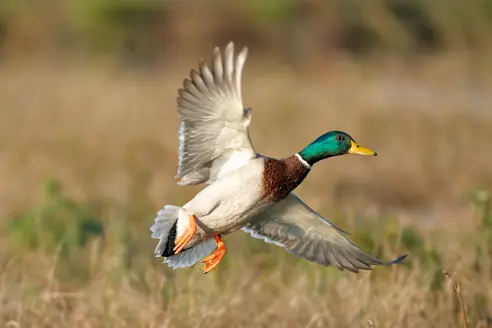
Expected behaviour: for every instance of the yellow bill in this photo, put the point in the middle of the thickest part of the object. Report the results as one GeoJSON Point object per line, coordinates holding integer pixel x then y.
{"type": "Point", "coordinates": [359, 150]}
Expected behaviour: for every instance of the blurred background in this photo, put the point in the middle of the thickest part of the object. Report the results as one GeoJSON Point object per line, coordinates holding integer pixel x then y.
{"type": "Point", "coordinates": [88, 154]}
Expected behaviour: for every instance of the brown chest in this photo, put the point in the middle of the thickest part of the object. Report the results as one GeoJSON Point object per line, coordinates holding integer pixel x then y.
{"type": "Point", "coordinates": [280, 177]}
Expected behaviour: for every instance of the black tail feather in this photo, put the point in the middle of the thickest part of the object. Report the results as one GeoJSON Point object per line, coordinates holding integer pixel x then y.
{"type": "Point", "coordinates": [169, 250]}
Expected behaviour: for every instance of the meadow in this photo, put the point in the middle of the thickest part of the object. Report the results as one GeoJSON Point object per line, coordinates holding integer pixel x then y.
{"type": "Point", "coordinates": [89, 155]}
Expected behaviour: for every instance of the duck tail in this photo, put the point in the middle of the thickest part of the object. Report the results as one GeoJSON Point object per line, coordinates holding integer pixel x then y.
{"type": "Point", "coordinates": [164, 229]}
{"type": "Point", "coordinates": [170, 222]}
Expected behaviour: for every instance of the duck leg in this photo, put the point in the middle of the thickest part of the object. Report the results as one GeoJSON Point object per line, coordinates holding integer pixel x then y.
{"type": "Point", "coordinates": [213, 260]}
{"type": "Point", "coordinates": [182, 240]}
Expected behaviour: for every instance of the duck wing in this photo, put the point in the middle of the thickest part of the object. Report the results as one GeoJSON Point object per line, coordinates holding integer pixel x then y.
{"type": "Point", "coordinates": [213, 132]}
{"type": "Point", "coordinates": [301, 231]}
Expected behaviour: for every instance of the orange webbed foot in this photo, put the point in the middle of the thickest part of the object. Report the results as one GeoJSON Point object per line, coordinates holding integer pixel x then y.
{"type": "Point", "coordinates": [213, 260]}
{"type": "Point", "coordinates": [187, 235]}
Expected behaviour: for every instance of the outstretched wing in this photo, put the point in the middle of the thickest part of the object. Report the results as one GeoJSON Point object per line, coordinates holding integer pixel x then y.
{"type": "Point", "coordinates": [301, 231]}
{"type": "Point", "coordinates": [213, 134]}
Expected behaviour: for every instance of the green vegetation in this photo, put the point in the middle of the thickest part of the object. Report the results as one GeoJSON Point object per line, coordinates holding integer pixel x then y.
{"type": "Point", "coordinates": [58, 222]}
{"type": "Point", "coordinates": [131, 28]}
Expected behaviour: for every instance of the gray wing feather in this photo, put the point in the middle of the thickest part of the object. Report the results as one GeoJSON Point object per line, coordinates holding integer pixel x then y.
{"type": "Point", "coordinates": [303, 232]}
{"type": "Point", "coordinates": [213, 132]}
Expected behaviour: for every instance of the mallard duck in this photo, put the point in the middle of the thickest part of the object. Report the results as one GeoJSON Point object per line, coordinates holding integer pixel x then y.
{"type": "Point", "coordinates": [245, 190]}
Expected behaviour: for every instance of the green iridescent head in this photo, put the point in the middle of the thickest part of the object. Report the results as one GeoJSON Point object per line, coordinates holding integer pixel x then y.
{"type": "Point", "coordinates": [333, 143]}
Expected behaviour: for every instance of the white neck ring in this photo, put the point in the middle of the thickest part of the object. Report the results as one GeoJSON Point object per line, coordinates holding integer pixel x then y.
{"type": "Point", "coordinates": [303, 161]}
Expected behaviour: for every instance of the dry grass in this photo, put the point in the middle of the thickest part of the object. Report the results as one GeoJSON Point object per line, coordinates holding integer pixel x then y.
{"type": "Point", "coordinates": [109, 136]}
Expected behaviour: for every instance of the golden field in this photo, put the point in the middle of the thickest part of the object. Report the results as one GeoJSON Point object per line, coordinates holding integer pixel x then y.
{"type": "Point", "coordinates": [88, 154]}
{"type": "Point", "coordinates": [109, 136]}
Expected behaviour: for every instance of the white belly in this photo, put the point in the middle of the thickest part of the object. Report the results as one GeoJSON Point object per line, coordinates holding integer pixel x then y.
{"type": "Point", "coordinates": [228, 204]}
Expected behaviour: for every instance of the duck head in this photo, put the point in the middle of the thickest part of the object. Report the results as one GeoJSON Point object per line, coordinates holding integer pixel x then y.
{"type": "Point", "coordinates": [333, 143]}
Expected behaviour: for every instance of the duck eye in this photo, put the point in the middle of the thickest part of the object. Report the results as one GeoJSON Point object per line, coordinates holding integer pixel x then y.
{"type": "Point", "coordinates": [340, 138]}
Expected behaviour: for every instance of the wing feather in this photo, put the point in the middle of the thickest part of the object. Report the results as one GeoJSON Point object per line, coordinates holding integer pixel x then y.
{"type": "Point", "coordinates": [301, 231]}
{"type": "Point", "coordinates": [213, 133]}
